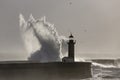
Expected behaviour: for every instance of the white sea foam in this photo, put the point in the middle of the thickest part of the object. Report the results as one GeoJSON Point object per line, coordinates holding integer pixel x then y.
{"type": "Point", "coordinates": [102, 65]}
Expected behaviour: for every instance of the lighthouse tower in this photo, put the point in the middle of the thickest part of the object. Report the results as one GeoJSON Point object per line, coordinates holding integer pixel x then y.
{"type": "Point", "coordinates": [71, 50]}
{"type": "Point", "coordinates": [71, 44]}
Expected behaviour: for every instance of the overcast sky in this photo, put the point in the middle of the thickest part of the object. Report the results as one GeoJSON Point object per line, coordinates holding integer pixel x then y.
{"type": "Point", "coordinates": [94, 23]}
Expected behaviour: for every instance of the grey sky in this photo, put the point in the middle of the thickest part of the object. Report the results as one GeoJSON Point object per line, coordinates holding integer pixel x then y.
{"type": "Point", "coordinates": [95, 24]}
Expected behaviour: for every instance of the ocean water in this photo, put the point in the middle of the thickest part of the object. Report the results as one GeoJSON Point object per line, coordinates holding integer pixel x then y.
{"type": "Point", "coordinates": [105, 73]}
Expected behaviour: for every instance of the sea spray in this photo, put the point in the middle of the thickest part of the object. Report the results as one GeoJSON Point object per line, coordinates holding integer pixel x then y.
{"type": "Point", "coordinates": [42, 40]}
{"type": "Point", "coordinates": [31, 42]}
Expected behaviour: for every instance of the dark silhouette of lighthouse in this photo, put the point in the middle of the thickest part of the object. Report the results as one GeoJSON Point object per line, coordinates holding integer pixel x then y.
{"type": "Point", "coordinates": [71, 44]}
{"type": "Point", "coordinates": [71, 50]}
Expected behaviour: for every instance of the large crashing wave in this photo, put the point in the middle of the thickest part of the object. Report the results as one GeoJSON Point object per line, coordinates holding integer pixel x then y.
{"type": "Point", "coordinates": [42, 40]}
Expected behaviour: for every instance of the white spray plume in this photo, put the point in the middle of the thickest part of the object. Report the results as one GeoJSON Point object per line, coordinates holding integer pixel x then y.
{"type": "Point", "coordinates": [42, 40]}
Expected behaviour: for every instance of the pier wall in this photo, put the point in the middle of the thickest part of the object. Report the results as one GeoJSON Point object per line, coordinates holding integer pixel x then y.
{"type": "Point", "coordinates": [44, 71]}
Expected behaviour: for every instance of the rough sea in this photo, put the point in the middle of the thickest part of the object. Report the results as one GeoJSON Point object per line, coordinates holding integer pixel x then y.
{"type": "Point", "coordinates": [105, 71]}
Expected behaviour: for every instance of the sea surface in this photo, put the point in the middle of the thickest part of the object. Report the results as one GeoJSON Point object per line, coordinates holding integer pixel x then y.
{"type": "Point", "coordinates": [105, 72]}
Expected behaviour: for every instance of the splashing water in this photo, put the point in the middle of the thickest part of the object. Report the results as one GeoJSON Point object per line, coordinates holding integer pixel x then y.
{"type": "Point", "coordinates": [42, 40]}
{"type": "Point", "coordinates": [103, 66]}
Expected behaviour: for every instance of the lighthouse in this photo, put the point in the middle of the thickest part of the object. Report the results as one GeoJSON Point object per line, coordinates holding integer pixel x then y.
{"type": "Point", "coordinates": [71, 50]}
